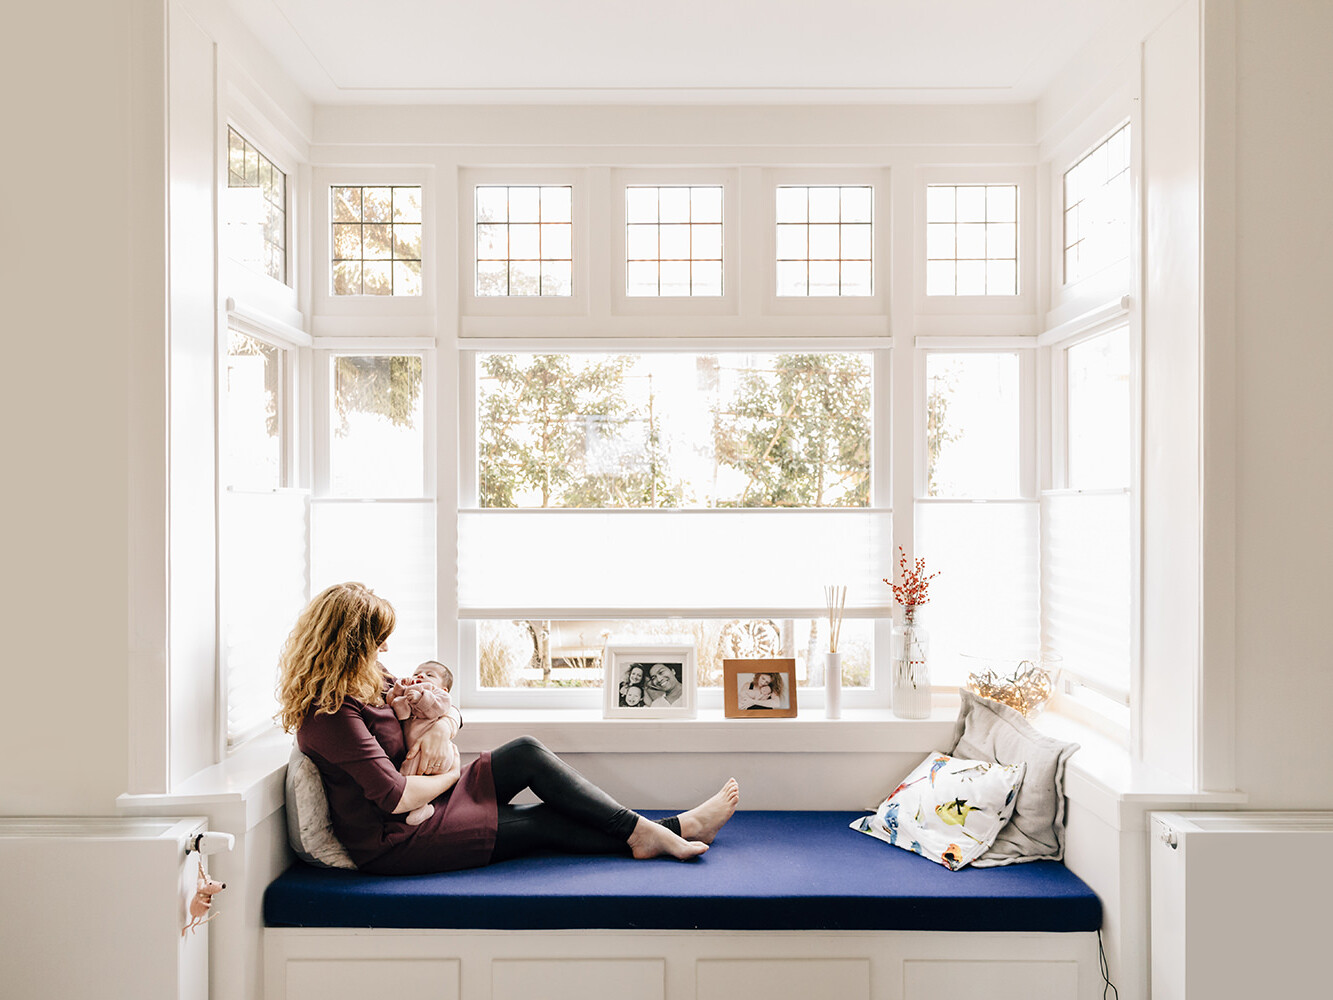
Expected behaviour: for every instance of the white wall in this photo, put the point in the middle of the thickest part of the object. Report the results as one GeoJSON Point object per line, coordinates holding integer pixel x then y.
{"type": "Point", "coordinates": [1284, 364]}
{"type": "Point", "coordinates": [68, 283]}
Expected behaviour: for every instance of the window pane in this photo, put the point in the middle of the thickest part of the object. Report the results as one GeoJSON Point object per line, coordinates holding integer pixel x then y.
{"type": "Point", "coordinates": [255, 209]}
{"type": "Point", "coordinates": [524, 236]}
{"type": "Point", "coordinates": [820, 229]}
{"type": "Point", "coordinates": [1097, 208]}
{"type": "Point", "coordinates": [972, 425]}
{"type": "Point", "coordinates": [792, 204]}
{"type": "Point", "coordinates": [252, 437]}
{"type": "Point", "coordinates": [376, 240]}
{"type": "Point", "coordinates": [540, 653]}
{"type": "Point", "coordinates": [971, 239]}
{"type": "Point", "coordinates": [675, 228]}
{"type": "Point", "coordinates": [377, 445]}
{"type": "Point", "coordinates": [1099, 411]}
{"type": "Point", "coordinates": [674, 430]}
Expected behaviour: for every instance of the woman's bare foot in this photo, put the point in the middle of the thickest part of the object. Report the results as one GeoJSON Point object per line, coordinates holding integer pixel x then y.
{"type": "Point", "coordinates": [652, 840]}
{"type": "Point", "coordinates": [704, 820]}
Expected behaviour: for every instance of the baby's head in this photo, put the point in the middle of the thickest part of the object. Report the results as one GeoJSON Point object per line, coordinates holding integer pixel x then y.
{"type": "Point", "coordinates": [633, 696]}
{"type": "Point", "coordinates": [436, 672]}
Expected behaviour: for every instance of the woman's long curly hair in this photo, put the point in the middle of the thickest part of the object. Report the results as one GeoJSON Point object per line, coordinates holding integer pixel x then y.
{"type": "Point", "coordinates": [330, 654]}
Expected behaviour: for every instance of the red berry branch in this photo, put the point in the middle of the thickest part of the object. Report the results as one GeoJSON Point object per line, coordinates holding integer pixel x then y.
{"type": "Point", "coordinates": [915, 583]}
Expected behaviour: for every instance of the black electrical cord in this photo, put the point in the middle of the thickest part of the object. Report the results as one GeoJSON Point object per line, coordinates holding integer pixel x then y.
{"type": "Point", "coordinates": [1105, 968]}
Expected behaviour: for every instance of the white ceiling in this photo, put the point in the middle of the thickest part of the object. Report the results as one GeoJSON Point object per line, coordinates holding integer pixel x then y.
{"type": "Point", "coordinates": [689, 51]}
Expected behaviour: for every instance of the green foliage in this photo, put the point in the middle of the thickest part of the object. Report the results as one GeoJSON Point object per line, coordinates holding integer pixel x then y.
{"type": "Point", "coordinates": [543, 416]}
{"type": "Point", "coordinates": [388, 386]}
{"type": "Point", "coordinates": [801, 434]}
{"type": "Point", "coordinates": [938, 431]}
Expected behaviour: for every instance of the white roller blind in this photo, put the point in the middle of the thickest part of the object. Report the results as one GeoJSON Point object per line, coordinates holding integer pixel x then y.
{"type": "Point", "coordinates": [1086, 592]}
{"type": "Point", "coordinates": [262, 564]}
{"type": "Point", "coordinates": [656, 563]}
{"type": "Point", "coordinates": [389, 545]}
{"type": "Point", "coordinates": [985, 600]}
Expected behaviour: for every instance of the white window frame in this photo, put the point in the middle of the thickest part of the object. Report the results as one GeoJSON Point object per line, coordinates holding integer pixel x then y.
{"type": "Point", "coordinates": [1008, 307]}
{"type": "Point", "coordinates": [726, 304]}
{"type": "Point", "coordinates": [394, 315]}
{"type": "Point", "coordinates": [1098, 709]}
{"type": "Point", "coordinates": [812, 306]}
{"type": "Point", "coordinates": [466, 677]}
{"type": "Point", "coordinates": [523, 306]}
{"type": "Point", "coordinates": [256, 289]}
{"type": "Point", "coordinates": [294, 347]}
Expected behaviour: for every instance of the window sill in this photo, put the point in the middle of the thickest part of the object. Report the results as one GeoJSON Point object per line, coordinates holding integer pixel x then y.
{"type": "Point", "coordinates": [1104, 778]}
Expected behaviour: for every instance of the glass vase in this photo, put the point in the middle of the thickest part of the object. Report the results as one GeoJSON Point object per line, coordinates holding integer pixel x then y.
{"type": "Point", "coordinates": [910, 648]}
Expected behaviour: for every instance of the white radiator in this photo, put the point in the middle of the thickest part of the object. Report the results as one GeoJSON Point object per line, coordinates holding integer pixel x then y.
{"type": "Point", "coordinates": [1240, 905]}
{"type": "Point", "coordinates": [91, 908]}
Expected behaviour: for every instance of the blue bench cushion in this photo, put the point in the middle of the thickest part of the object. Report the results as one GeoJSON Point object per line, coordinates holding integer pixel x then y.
{"type": "Point", "coordinates": [767, 871]}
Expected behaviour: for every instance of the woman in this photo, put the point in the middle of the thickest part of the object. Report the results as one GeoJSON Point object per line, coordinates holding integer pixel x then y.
{"type": "Point", "coordinates": [331, 691]}
{"type": "Point", "coordinates": [763, 692]}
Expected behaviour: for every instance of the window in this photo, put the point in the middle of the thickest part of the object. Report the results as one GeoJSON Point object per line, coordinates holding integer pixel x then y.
{"type": "Point", "coordinates": [253, 438]}
{"type": "Point", "coordinates": [974, 525]}
{"type": "Point", "coordinates": [1097, 208]}
{"type": "Point", "coordinates": [703, 478]}
{"type": "Point", "coordinates": [673, 240]}
{"type": "Point", "coordinates": [972, 239]}
{"type": "Point", "coordinates": [376, 240]}
{"type": "Point", "coordinates": [524, 240]}
{"type": "Point", "coordinates": [825, 240]}
{"type": "Point", "coordinates": [377, 444]}
{"type": "Point", "coordinates": [1086, 524]}
{"type": "Point", "coordinates": [1097, 403]}
{"type": "Point", "coordinates": [972, 425]}
{"type": "Point", "coordinates": [261, 527]}
{"type": "Point", "coordinates": [256, 209]}
{"type": "Point", "coordinates": [374, 519]}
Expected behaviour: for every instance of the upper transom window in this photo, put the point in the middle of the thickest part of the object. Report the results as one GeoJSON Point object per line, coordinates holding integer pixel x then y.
{"type": "Point", "coordinates": [825, 240]}
{"type": "Point", "coordinates": [256, 213]}
{"type": "Point", "coordinates": [972, 239]}
{"type": "Point", "coordinates": [376, 240]}
{"type": "Point", "coordinates": [673, 240]}
{"type": "Point", "coordinates": [524, 240]}
{"type": "Point", "coordinates": [1097, 208]}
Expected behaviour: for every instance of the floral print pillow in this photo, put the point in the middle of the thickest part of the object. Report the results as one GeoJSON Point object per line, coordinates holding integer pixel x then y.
{"type": "Point", "coordinates": [948, 809]}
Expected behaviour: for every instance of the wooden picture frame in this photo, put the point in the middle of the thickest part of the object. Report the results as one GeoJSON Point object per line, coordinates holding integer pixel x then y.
{"type": "Point", "coordinates": [774, 697]}
{"type": "Point", "coordinates": [626, 667]}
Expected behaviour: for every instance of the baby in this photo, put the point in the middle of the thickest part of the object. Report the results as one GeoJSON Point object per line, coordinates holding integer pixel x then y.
{"type": "Point", "coordinates": [420, 701]}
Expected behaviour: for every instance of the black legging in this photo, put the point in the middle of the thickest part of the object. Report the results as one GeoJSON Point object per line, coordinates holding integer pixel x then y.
{"type": "Point", "coordinates": [574, 816]}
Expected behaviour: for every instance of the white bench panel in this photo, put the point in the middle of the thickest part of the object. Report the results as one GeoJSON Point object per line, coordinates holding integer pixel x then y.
{"type": "Point", "coordinates": [931, 980]}
{"type": "Point", "coordinates": [578, 979]}
{"type": "Point", "coordinates": [727, 979]}
{"type": "Point", "coordinates": [690, 965]}
{"type": "Point", "coordinates": [360, 978]}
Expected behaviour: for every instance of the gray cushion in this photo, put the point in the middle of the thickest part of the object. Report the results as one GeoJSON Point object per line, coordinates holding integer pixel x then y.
{"type": "Point", "coordinates": [308, 827]}
{"type": "Point", "coordinates": [987, 730]}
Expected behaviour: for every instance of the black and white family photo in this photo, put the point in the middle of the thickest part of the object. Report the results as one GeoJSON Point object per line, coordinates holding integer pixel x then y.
{"type": "Point", "coordinates": [649, 682]}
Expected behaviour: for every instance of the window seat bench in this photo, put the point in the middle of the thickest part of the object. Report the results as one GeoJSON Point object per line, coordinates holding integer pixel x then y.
{"type": "Point", "coordinates": [786, 904]}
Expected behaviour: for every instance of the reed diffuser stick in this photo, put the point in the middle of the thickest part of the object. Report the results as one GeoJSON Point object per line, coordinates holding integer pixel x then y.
{"type": "Point", "coordinates": [835, 599]}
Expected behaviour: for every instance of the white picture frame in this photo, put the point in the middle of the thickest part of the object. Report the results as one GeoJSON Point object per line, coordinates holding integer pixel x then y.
{"type": "Point", "coordinates": [623, 666]}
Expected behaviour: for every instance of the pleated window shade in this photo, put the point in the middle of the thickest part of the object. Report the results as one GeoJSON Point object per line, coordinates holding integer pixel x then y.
{"type": "Point", "coordinates": [663, 563]}
{"type": "Point", "coordinates": [262, 564]}
{"type": "Point", "coordinates": [389, 545]}
{"type": "Point", "coordinates": [984, 601]}
{"type": "Point", "coordinates": [1086, 586]}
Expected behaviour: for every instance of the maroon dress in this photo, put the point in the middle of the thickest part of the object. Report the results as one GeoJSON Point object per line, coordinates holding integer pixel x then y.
{"type": "Point", "coordinates": [358, 751]}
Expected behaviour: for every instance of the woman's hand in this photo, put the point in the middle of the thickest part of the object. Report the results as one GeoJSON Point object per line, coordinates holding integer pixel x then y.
{"type": "Point", "coordinates": [434, 748]}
